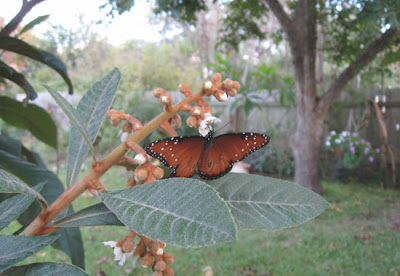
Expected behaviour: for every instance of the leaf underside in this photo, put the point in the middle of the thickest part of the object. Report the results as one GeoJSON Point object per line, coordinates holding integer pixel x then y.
{"type": "Point", "coordinates": [91, 110]}
{"type": "Point", "coordinates": [70, 240]}
{"type": "Point", "coordinates": [44, 269]}
{"type": "Point", "coordinates": [179, 211]}
{"type": "Point", "coordinates": [9, 183]}
{"type": "Point", "coordinates": [12, 208]}
{"type": "Point", "coordinates": [17, 248]}
{"type": "Point", "coordinates": [266, 203]}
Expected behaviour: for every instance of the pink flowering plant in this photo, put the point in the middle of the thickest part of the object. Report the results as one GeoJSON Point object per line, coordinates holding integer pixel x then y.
{"type": "Point", "coordinates": [357, 151]}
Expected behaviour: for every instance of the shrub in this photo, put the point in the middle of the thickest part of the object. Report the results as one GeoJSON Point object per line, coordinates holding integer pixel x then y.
{"type": "Point", "coordinates": [356, 151]}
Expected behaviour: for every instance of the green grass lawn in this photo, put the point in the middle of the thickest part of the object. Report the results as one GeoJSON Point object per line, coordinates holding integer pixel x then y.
{"type": "Point", "coordinates": [358, 235]}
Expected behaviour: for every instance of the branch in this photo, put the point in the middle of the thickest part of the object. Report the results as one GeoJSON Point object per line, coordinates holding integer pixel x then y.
{"type": "Point", "coordinates": [280, 14]}
{"type": "Point", "coordinates": [91, 180]}
{"type": "Point", "coordinates": [355, 67]}
{"type": "Point", "coordinates": [13, 24]}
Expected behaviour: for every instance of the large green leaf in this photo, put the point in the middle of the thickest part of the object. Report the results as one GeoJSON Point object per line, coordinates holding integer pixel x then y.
{"type": "Point", "coordinates": [91, 109]}
{"type": "Point", "coordinates": [14, 249]}
{"type": "Point", "coordinates": [259, 202]}
{"type": "Point", "coordinates": [44, 269]}
{"type": "Point", "coordinates": [19, 79]}
{"type": "Point", "coordinates": [70, 240]}
{"type": "Point", "coordinates": [183, 212]}
{"type": "Point", "coordinates": [93, 215]}
{"type": "Point", "coordinates": [12, 208]}
{"type": "Point", "coordinates": [9, 183]}
{"type": "Point", "coordinates": [20, 47]}
{"type": "Point", "coordinates": [72, 114]}
{"type": "Point", "coordinates": [10, 145]}
{"type": "Point", "coordinates": [30, 117]}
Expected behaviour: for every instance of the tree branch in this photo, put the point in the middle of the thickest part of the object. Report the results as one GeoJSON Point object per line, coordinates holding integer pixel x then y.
{"type": "Point", "coordinates": [355, 67]}
{"type": "Point", "coordinates": [280, 14]}
{"type": "Point", "coordinates": [13, 24]}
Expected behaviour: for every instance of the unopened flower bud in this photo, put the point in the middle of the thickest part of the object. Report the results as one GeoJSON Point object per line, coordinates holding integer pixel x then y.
{"type": "Point", "coordinates": [227, 84]}
{"type": "Point", "coordinates": [168, 271]}
{"type": "Point", "coordinates": [232, 92]}
{"type": "Point", "coordinates": [150, 178]}
{"type": "Point", "coordinates": [131, 183]}
{"type": "Point", "coordinates": [127, 127]}
{"type": "Point", "coordinates": [158, 92]}
{"type": "Point", "coordinates": [184, 89]}
{"type": "Point", "coordinates": [207, 88]}
{"type": "Point", "coordinates": [196, 111]}
{"type": "Point", "coordinates": [168, 258]}
{"type": "Point", "coordinates": [147, 260]}
{"type": "Point", "coordinates": [159, 265]}
{"type": "Point", "coordinates": [138, 180]}
{"type": "Point", "coordinates": [192, 121]}
{"type": "Point", "coordinates": [140, 249]}
{"type": "Point", "coordinates": [140, 173]}
{"type": "Point", "coordinates": [221, 96]}
{"type": "Point", "coordinates": [166, 99]}
{"type": "Point", "coordinates": [157, 248]}
{"type": "Point", "coordinates": [158, 173]}
{"type": "Point", "coordinates": [128, 245]}
{"type": "Point", "coordinates": [236, 85]}
{"type": "Point", "coordinates": [216, 78]}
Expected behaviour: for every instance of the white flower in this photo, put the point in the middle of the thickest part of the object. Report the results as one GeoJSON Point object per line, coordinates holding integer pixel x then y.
{"type": "Point", "coordinates": [208, 84]}
{"type": "Point", "coordinates": [164, 99]}
{"type": "Point", "coordinates": [140, 159]}
{"type": "Point", "coordinates": [223, 97]}
{"type": "Point", "coordinates": [123, 258]}
{"type": "Point", "coordinates": [111, 244]}
{"type": "Point", "coordinates": [344, 133]}
{"type": "Point", "coordinates": [338, 141]}
{"type": "Point", "coordinates": [123, 135]}
{"type": "Point", "coordinates": [206, 124]}
{"type": "Point", "coordinates": [119, 255]}
{"type": "Point", "coordinates": [328, 143]}
{"type": "Point", "coordinates": [333, 132]}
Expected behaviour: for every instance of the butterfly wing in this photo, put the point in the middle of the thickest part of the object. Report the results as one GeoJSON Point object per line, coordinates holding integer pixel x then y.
{"type": "Point", "coordinates": [218, 159]}
{"type": "Point", "coordinates": [180, 153]}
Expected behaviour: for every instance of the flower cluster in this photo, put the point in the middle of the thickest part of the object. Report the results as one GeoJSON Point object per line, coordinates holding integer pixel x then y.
{"type": "Point", "coordinates": [357, 151]}
{"type": "Point", "coordinates": [147, 253]}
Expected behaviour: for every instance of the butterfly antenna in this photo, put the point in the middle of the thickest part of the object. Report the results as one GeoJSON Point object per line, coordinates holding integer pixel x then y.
{"type": "Point", "coordinates": [223, 126]}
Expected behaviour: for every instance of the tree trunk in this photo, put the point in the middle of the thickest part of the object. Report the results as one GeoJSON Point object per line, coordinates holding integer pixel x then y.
{"type": "Point", "coordinates": [301, 30]}
{"type": "Point", "coordinates": [305, 145]}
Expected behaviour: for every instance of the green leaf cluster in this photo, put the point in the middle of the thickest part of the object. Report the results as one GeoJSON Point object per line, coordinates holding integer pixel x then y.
{"type": "Point", "coordinates": [21, 169]}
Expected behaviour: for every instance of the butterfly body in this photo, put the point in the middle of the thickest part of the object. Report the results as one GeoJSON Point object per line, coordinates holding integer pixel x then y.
{"type": "Point", "coordinates": [212, 156]}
